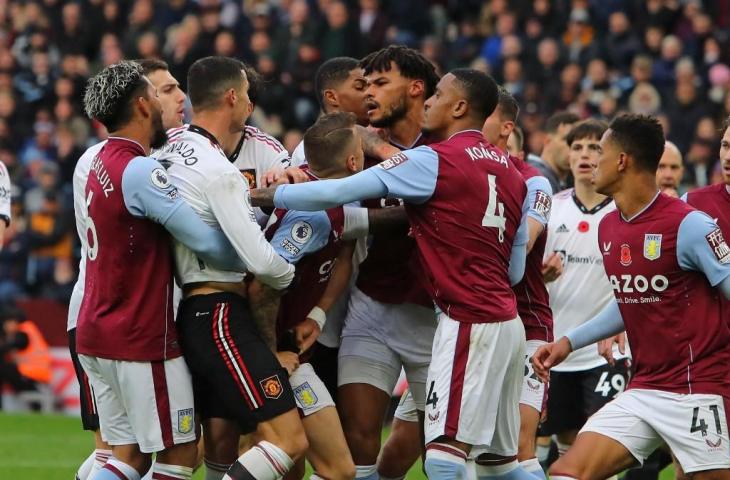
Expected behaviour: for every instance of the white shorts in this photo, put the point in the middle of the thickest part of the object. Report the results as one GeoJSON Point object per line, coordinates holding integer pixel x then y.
{"type": "Point", "coordinates": [533, 390]}
{"type": "Point", "coordinates": [379, 339]}
{"type": "Point", "coordinates": [474, 384]}
{"type": "Point", "coordinates": [310, 394]}
{"type": "Point", "coordinates": [406, 410]}
{"type": "Point", "coordinates": [147, 403]}
{"type": "Point", "coordinates": [694, 426]}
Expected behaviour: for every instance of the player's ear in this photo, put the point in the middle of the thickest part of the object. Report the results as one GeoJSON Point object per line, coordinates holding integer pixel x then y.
{"type": "Point", "coordinates": [623, 162]}
{"type": "Point", "coordinates": [460, 109]}
{"type": "Point", "coordinates": [416, 88]}
{"type": "Point", "coordinates": [230, 96]}
{"type": "Point", "coordinates": [507, 128]}
{"type": "Point", "coordinates": [142, 104]}
{"type": "Point", "coordinates": [330, 98]}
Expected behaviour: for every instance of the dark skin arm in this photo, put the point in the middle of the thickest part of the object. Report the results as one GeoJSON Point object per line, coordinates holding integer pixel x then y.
{"type": "Point", "coordinates": [264, 302]}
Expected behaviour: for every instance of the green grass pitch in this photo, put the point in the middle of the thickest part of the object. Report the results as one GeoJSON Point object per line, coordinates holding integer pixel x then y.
{"type": "Point", "coordinates": [51, 447]}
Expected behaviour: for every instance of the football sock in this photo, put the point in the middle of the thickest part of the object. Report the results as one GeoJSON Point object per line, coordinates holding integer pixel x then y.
{"type": "Point", "coordinates": [162, 471]}
{"type": "Point", "coordinates": [509, 471]}
{"type": "Point", "coordinates": [83, 472]}
{"type": "Point", "coordinates": [533, 467]}
{"type": "Point", "coordinates": [116, 470]}
{"type": "Point", "coordinates": [542, 452]}
{"type": "Point", "coordinates": [366, 472]}
{"type": "Point", "coordinates": [445, 462]}
{"type": "Point", "coordinates": [265, 461]}
{"type": "Point", "coordinates": [562, 448]}
{"type": "Point", "coordinates": [215, 471]}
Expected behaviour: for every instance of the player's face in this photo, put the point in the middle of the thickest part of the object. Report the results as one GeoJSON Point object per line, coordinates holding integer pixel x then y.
{"type": "Point", "coordinates": [437, 116]}
{"type": "Point", "coordinates": [243, 106]}
{"type": "Point", "coordinates": [513, 148]}
{"type": "Point", "coordinates": [386, 97]}
{"type": "Point", "coordinates": [357, 155]}
{"type": "Point", "coordinates": [725, 156]}
{"type": "Point", "coordinates": [559, 147]}
{"type": "Point", "coordinates": [494, 127]}
{"type": "Point", "coordinates": [583, 155]}
{"type": "Point", "coordinates": [670, 170]}
{"type": "Point", "coordinates": [159, 135]}
{"type": "Point", "coordinates": [605, 171]}
{"type": "Point", "coordinates": [171, 97]}
{"type": "Point", "coordinates": [351, 95]}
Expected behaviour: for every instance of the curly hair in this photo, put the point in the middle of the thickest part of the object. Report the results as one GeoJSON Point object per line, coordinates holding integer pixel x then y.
{"type": "Point", "coordinates": [108, 93]}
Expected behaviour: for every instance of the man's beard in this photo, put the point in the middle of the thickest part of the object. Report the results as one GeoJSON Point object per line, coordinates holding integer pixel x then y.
{"type": "Point", "coordinates": [395, 114]}
{"type": "Point", "coordinates": [159, 137]}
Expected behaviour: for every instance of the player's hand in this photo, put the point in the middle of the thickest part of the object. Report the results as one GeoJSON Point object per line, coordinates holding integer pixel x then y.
{"type": "Point", "coordinates": [552, 268]}
{"type": "Point", "coordinates": [296, 175]}
{"type": "Point", "coordinates": [549, 355]}
{"type": "Point", "coordinates": [605, 347]}
{"type": "Point", "coordinates": [288, 360]}
{"type": "Point", "coordinates": [275, 176]}
{"type": "Point", "coordinates": [306, 333]}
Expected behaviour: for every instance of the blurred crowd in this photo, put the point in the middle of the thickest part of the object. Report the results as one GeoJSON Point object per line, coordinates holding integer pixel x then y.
{"type": "Point", "coordinates": [591, 57]}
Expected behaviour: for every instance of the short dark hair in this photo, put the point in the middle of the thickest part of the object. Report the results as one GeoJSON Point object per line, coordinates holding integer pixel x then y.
{"type": "Point", "coordinates": [725, 125]}
{"type": "Point", "coordinates": [586, 129]}
{"type": "Point", "coordinates": [331, 74]}
{"type": "Point", "coordinates": [411, 63]}
{"type": "Point", "coordinates": [255, 82]}
{"type": "Point", "coordinates": [560, 118]}
{"type": "Point", "coordinates": [109, 94]}
{"type": "Point", "coordinates": [641, 136]}
{"type": "Point", "coordinates": [480, 89]}
{"type": "Point", "coordinates": [327, 139]}
{"type": "Point", "coordinates": [151, 65]}
{"type": "Point", "coordinates": [508, 107]}
{"type": "Point", "coordinates": [210, 77]}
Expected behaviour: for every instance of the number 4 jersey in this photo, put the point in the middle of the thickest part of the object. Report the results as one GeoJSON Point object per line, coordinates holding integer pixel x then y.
{"type": "Point", "coordinates": [664, 265]}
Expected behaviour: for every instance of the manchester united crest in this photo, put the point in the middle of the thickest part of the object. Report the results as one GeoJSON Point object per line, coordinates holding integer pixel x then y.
{"type": "Point", "coordinates": [625, 258]}
{"type": "Point", "coordinates": [271, 387]}
{"type": "Point", "coordinates": [652, 246]}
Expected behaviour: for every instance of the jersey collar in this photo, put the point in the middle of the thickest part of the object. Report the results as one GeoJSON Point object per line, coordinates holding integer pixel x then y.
{"type": "Point", "coordinates": [201, 131]}
{"type": "Point", "coordinates": [648, 205]}
{"type": "Point", "coordinates": [465, 131]}
{"type": "Point", "coordinates": [593, 210]}
{"type": "Point", "coordinates": [406, 147]}
{"type": "Point", "coordinates": [123, 139]}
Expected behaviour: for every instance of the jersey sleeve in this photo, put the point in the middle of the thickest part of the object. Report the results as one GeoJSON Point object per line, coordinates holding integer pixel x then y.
{"type": "Point", "coordinates": [148, 192]}
{"type": "Point", "coordinates": [297, 157]}
{"type": "Point", "coordinates": [540, 199]}
{"type": "Point", "coordinates": [5, 195]}
{"type": "Point", "coordinates": [229, 200]}
{"type": "Point", "coordinates": [324, 194]}
{"type": "Point", "coordinates": [357, 222]}
{"type": "Point", "coordinates": [701, 247]}
{"type": "Point", "coordinates": [301, 233]}
{"type": "Point", "coordinates": [410, 175]}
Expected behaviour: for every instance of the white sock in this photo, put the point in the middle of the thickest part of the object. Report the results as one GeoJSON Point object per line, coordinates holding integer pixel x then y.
{"type": "Point", "coordinates": [562, 448]}
{"type": "Point", "coordinates": [533, 467]}
{"type": "Point", "coordinates": [543, 452]}
{"type": "Point", "coordinates": [83, 472]}
{"type": "Point", "coordinates": [561, 477]}
{"type": "Point", "coordinates": [445, 462]}
{"type": "Point", "coordinates": [119, 467]}
{"type": "Point", "coordinates": [101, 456]}
{"type": "Point", "coordinates": [264, 461]}
{"type": "Point", "coordinates": [215, 471]}
{"type": "Point", "coordinates": [164, 471]}
{"type": "Point", "coordinates": [148, 475]}
{"type": "Point", "coordinates": [471, 469]}
{"type": "Point", "coordinates": [506, 471]}
{"type": "Point", "coordinates": [366, 472]}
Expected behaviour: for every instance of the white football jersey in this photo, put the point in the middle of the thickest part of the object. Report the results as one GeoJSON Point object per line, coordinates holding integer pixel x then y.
{"type": "Point", "coordinates": [257, 153]}
{"type": "Point", "coordinates": [5, 193]}
{"type": "Point", "coordinates": [218, 193]}
{"type": "Point", "coordinates": [297, 156]}
{"type": "Point", "coordinates": [81, 175]}
{"type": "Point", "coordinates": [583, 289]}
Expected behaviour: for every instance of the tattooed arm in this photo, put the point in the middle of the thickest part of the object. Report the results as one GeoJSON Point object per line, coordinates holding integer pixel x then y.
{"type": "Point", "coordinates": [264, 302]}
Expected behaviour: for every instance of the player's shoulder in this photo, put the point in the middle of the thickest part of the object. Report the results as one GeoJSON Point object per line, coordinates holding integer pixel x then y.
{"type": "Point", "coordinates": [83, 165]}
{"type": "Point", "coordinates": [709, 191]}
{"type": "Point", "coordinates": [563, 196]}
{"type": "Point", "coordinates": [263, 140]}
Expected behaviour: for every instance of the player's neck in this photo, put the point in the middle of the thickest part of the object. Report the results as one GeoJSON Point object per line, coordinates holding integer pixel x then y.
{"type": "Point", "coordinates": [218, 125]}
{"type": "Point", "coordinates": [135, 134]}
{"type": "Point", "coordinates": [406, 130]}
{"type": "Point", "coordinates": [586, 193]}
{"type": "Point", "coordinates": [633, 197]}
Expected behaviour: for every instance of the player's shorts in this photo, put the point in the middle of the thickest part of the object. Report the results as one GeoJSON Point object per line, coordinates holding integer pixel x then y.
{"type": "Point", "coordinates": [235, 375]}
{"type": "Point", "coordinates": [406, 409]}
{"type": "Point", "coordinates": [147, 403]}
{"type": "Point", "coordinates": [324, 363]}
{"type": "Point", "coordinates": [379, 339]}
{"type": "Point", "coordinates": [694, 426]}
{"type": "Point", "coordinates": [310, 393]}
{"type": "Point", "coordinates": [575, 396]}
{"type": "Point", "coordinates": [89, 414]}
{"type": "Point", "coordinates": [474, 384]}
{"type": "Point", "coordinates": [534, 392]}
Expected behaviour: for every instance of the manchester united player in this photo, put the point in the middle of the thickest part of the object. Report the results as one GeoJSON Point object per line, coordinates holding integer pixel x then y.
{"type": "Point", "coordinates": [667, 264]}
{"type": "Point", "coordinates": [532, 298]}
{"type": "Point", "coordinates": [125, 328]}
{"type": "Point", "coordinates": [314, 242]}
{"type": "Point", "coordinates": [714, 200]}
{"type": "Point", "coordinates": [464, 201]}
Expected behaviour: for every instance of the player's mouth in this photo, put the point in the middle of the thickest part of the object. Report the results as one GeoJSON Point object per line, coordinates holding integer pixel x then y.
{"type": "Point", "coordinates": [726, 168]}
{"type": "Point", "coordinates": [585, 167]}
{"type": "Point", "coordinates": [372, 106]}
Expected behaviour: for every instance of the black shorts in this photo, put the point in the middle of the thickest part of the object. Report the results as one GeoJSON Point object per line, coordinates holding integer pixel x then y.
{"type": "Point", "coordinates": [235, 375]}
{"type": "Point", "coordinates": [324, 363]}
{"type": "Point", "coordinates": [89, 415]}
{"type": "Point", "coordinates": [575, 396]}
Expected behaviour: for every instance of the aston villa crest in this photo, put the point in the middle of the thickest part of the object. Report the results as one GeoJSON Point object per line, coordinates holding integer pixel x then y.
{"type": "Point", "coordinates": [652, 246]}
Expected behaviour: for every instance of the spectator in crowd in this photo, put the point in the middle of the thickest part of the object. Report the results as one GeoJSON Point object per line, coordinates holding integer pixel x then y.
{"type": "Point", "coordinates": [25, 360]}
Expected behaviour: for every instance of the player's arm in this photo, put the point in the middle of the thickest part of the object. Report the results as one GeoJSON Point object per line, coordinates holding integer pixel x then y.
{"type": "Point", "coordinates": [147, 192]}
{"type": "Point", "coordinates": [607, 323]}
{"type": "Point", "coordinates": [5, 194]}
{"type": "Point", "coordinates": [410, 175]}
{"type": "Point", "coordinates": [539, 196]}
{"type": "Point", "coordinates": [701, 247]}
{"type": "Point", "coordinates": [374, 145]}
{"type": "Point", "coordinates": [308, 331]}
{"type": "Point", "coordinates": [361, 221]}
{"type": "Point", "coordinates": [518, 255]}
{"type": "Point", "coordinates": [227, 196]}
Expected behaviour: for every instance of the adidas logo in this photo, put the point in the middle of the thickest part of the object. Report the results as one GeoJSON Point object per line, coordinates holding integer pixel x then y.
{"type": "Point", "coordinates": [562, 229]}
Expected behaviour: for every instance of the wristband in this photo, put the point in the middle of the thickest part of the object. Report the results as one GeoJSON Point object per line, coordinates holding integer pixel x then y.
{"type": "Point", "coordinates": [318, 315]}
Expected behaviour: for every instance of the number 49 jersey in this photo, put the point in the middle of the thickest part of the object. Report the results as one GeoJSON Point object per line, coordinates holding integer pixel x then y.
{"type": "Point", "coordinates": [664, 265]}
{"type": "Point", "coordinates": [464, 201]}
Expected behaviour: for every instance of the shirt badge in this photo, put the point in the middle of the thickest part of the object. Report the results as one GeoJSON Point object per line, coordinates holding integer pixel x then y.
{"type": "Point", "coordinates": [652, 246]}
{"type": "Point", "coordinates": [625, 259]}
